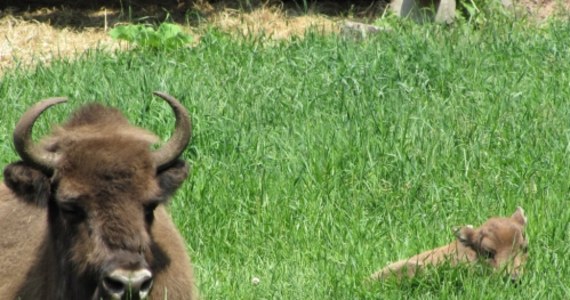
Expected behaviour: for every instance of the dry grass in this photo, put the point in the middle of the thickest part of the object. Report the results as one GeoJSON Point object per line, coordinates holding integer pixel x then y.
{"type": "Point", "coordinates": [272, 22]}
{"type": "Point", "coordinates": [42, 34]}
{"type": "Point", "coordinates": [28, 41]}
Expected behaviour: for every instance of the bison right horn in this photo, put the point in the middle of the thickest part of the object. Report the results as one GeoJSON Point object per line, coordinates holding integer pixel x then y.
{"type": "Point", "coordinates": [169, 152]}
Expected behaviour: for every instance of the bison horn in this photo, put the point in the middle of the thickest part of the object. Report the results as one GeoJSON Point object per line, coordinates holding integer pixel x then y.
{"type": "Point", "coordinates": [168, 153]}
{"type": "Point", "coordinates": [28, 151]}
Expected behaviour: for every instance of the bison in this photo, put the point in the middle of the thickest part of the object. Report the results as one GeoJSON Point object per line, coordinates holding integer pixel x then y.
{"type": "Point", "coordinates": [82, 214]}
{"type": "Point", "coordinates": [500, 242]}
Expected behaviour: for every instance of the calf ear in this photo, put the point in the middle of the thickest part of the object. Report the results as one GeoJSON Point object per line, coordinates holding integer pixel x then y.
{"type": "Point", "coordinates": [465, 234]}
{"type": "Point", "coordinates": [28, 183]}
{"type": "Point", "coordinates": [519, 216]}
{"type": "Point", "coordinates": [172, 178]}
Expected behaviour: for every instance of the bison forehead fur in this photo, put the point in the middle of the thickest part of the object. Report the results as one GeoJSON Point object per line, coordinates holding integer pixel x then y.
{"type": "Point", "coordinates": [96, 122]}
{"type": "Point", "coordinates": [99, 188]}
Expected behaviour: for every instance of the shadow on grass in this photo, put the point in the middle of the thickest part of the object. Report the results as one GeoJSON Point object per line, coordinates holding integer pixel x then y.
{"type": "Point", "coordinates": [84, 13]}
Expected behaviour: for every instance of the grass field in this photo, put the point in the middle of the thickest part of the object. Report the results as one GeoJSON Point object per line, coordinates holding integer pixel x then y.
{"type": "Point", "coordinates": [319, 160]}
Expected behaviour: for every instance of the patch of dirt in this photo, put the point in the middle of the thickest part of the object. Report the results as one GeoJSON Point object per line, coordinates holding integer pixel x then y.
{"type": "Point", "coordinates": [542, 9]}
{"type": "Point", "coordinates": [39, 33]}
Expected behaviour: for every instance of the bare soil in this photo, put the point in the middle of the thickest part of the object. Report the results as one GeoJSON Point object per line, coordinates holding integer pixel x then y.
{"type": "Point", "coordinates": [38, 33]}
{"type": "Point", "coordinates": [542, 9]}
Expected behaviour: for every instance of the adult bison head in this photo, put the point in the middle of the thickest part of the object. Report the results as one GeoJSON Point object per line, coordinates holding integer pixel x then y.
{"type": "Point", "coordinates": [101, 184]}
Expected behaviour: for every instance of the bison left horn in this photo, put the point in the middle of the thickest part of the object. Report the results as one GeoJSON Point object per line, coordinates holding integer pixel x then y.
{"type": "Point", "coordinates": [28, 151]}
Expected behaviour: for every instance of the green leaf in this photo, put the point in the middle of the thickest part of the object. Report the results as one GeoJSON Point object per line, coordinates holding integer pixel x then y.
{"type": "Point", "coordinates": [168, 36]}
{"type": "Point", "coordinates": [168, 30]}
{"type": "Point", "coordinates": [127, 33]}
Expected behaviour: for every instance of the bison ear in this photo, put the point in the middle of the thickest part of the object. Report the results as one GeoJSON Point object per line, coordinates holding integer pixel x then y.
{"type": "Point", "coordinates": [171, 179]}
{"type": "Point", "coordinates": [519, 216]}
{"type": "Point", "coordinates": [465, 234]}
{"type": "Point", "coordinates": [28, 183]}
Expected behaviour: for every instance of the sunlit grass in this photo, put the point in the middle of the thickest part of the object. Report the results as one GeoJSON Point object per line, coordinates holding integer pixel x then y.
{"type": "Point", "coordinates": [317, 161]}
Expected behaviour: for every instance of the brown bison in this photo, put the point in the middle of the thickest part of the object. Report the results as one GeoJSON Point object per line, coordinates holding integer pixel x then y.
{"type": "Point", "coordinates": [500, 242]}
{"type": "Point", "coordinates": [82, 215]}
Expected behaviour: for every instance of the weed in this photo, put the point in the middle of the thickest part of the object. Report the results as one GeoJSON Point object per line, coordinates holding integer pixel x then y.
{"type": "Point", "coordinates": [167, 36]}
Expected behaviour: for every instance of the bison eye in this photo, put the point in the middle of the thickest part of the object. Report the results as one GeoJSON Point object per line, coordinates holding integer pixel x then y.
{"type": "Point", "coordinates": [489, 254]}
{"type": "Point", "coordinates": [149, 212]}
{"type": "Point", "coordinates": [72, 212]}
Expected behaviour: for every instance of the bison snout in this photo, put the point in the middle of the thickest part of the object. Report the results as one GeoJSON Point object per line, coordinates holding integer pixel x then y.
{"type": "Point", "coordinates": [123, 284]}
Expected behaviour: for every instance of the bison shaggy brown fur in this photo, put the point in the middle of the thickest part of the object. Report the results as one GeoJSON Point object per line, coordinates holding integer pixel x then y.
{"type": "Point", "coordinates": [82, 214]}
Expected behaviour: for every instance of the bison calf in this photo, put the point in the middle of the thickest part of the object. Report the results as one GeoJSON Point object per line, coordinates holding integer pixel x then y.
{"type": "Point", "coordinates": [82, 215]}
{"type": "Point", "coordinates": [500, 242]}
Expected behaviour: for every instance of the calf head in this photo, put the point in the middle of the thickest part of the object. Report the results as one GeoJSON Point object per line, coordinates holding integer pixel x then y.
{"type": "Point", "coordinates": [100, 183]}
{"type": "Point", "coordinates": [499, 241]}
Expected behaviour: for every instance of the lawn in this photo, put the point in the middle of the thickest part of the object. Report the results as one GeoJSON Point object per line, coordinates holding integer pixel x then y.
{"type": "Point", "coordinates": [318, 160]}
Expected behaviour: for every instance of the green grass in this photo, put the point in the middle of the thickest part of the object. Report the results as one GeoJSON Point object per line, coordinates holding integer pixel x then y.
{"type": "Point", "coordinates": [318, 161]}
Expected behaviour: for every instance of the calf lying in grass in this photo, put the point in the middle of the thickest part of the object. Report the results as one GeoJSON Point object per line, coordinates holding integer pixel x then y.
{"type": "Point", "coordinates": [500, 242]}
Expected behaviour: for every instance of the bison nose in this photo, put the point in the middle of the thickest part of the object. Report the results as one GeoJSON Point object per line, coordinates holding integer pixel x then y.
{"type": "Point", "coordinates": [126, 284]}
{"type": "Point", "coordinates": [515, 278]}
